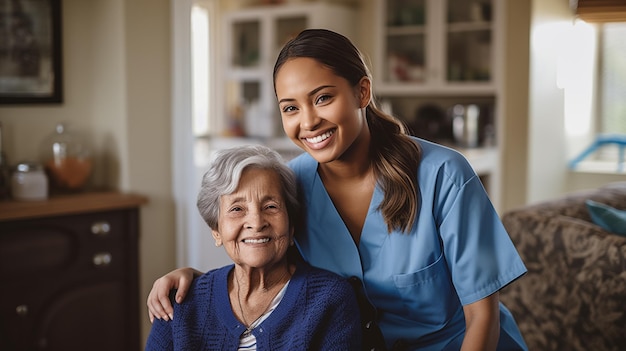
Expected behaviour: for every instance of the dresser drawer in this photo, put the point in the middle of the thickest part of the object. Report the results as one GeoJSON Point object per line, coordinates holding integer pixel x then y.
{"type": "Point", "coordinates": [69, 268]}
{"type": "Point", "coordinates": [94, 243]}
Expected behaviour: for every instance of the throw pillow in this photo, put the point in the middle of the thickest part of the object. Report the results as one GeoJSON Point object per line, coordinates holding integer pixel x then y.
{"type": "Point", "coordinates": [607, 217]}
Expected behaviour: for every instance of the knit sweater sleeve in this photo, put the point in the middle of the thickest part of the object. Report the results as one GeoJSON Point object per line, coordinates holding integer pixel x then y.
{"type": "Point", "coordinates": [198, 322]}
{"type": "Point", "coordinates": [339, 327]}
{"type": "Point", "coordinates": [319, 312]}
{"type": "Point", "coordinates": [160, 337]}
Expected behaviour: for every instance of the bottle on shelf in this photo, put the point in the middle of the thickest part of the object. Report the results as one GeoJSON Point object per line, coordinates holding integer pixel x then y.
{"type": "Point", "coordinates": [29, 182]}
{"type": "Point", "coordinates": [67, 160]}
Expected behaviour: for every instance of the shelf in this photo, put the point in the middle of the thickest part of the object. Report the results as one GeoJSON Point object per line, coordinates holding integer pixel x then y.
{"type": "Point", "coordinates": [469, 26]}
{"type": "Point", "coordinates": [461, 88]}
{"type": "Point", "coordinates": [406, 30]}
{"type": "Point", "coordinates": [69, 204]}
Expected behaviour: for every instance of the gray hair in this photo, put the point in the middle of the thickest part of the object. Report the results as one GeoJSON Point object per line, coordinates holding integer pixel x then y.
{"type": "Point", "coordinates": [224, 173]}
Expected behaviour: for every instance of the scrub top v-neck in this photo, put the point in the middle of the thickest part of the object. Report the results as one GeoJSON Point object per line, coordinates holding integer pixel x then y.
{"type": "Point", "coordinates": [457, 252]}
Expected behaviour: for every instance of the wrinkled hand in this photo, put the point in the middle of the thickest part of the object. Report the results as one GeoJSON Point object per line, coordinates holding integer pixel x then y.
{"type": "Point", "coordinates": [158, 302]}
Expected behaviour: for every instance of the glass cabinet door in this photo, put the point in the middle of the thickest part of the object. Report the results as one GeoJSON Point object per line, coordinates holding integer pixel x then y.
{"type": "Point", "coordinates": [446, 45]}
{"type": "Point", "coordinates": [469, 41]}
{"type": "Point", "coordinates": [287, 28]}
{"type": "Point", "coordinates": [246, 50]}
{"type": "Point", "coordinates": [405, 41]}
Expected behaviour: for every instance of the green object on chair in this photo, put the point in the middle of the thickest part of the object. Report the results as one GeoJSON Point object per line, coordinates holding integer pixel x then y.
{"type": "Point", "coordinates": [600, 141]}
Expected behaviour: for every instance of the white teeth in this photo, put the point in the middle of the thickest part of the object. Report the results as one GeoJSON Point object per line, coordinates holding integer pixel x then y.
{"type": "Point", "coordinates": [256, 241]}
{"type": "Point", "coordinates": [320, 138]}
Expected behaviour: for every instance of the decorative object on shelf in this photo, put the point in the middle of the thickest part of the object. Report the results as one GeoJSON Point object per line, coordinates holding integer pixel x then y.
{"type": "Point", "coordinates": [465, 124]}
{"type": "Point", "coordinates": [402, 69]}
{"type": "Point", "coordinates": [67, 160]}
{"type": "Point", "coordinates": [29, 182]}
{"type": "Point", "coordinates": [259, 122]}
{"type": "Point", "coordinates": [30, 58]}
{"type": "Point", "coordinates": [236, 123]}
{"type": "Point", "coordinates": [431, 123]}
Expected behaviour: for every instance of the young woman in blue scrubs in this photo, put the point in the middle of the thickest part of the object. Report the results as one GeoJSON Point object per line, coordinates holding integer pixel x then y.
{"type": "Point", "coordinates": [409, 218]}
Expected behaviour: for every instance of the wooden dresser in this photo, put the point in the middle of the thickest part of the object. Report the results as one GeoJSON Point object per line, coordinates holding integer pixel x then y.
{"type": "Point", "coordinates": [69, 273]}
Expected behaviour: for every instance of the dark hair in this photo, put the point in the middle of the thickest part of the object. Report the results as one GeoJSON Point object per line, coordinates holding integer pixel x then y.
{"type": "Point", "coordinates": [394, 155]}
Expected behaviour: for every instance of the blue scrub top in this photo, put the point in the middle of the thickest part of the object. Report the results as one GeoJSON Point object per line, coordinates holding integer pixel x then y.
{"type": "Point", "coordinates": [458, 252]}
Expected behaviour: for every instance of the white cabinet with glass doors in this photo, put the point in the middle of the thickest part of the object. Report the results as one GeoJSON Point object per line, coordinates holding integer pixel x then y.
{"type": "Point", "coordinates": [444, 47]}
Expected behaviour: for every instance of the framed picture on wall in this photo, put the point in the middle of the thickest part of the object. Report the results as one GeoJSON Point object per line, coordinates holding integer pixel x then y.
{"type": "Point", "coordinates": [30, 52]}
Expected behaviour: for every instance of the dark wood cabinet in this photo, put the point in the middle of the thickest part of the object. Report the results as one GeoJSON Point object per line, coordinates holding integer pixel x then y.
{"type": "Point", "coordinates": [69, 273]}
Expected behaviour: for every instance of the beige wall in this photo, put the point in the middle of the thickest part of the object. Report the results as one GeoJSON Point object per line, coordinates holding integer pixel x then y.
{"type": "Point", "coordinates": [148, 132]}
{"type": "Point", "coordinates": [514, 156]}
{"type": "Point", "coordinates": [117, 95]}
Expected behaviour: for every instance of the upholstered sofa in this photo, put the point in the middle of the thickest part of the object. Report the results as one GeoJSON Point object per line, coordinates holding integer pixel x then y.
{"type": "Point", "coordinates": [574, 294]}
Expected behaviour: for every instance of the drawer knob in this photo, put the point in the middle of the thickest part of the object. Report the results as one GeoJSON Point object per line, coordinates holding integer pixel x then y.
{"type": "Point", "coordinates": [101, 228]}
{"type": "Point", "coordinates": [102, 259]}
{"type": "Point", "coordinates": [22, 310]}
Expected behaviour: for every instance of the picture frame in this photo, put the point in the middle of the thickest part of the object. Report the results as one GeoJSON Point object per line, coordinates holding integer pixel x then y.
{"type": "Point", "coordinates": [31, 58]}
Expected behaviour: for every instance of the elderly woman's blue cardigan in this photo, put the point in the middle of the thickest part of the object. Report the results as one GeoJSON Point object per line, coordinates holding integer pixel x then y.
{"type": "Point", "coordinates": [318, 312]}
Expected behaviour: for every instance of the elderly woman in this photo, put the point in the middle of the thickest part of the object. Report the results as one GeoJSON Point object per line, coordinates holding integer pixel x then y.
{"type": "Point", "coordinates": [266, 300]}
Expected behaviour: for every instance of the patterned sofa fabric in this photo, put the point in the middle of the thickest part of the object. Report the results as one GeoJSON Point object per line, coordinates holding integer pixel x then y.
{"type": "Point", "coordinates": [574, 294]}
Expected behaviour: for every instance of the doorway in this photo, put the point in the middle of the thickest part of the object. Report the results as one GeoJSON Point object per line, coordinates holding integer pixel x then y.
{"type": "Point", "coordinates": [195, 37]}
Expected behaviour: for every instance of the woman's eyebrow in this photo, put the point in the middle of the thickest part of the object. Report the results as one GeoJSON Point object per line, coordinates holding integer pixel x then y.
{"type": "Point", "coordinates": [311, 93]}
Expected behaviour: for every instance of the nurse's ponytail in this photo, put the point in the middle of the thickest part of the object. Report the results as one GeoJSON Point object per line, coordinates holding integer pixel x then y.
{"type": "Point", "coordinates": [396, 158]}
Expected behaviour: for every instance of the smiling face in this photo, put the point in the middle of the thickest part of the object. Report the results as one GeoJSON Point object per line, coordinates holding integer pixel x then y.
{"type": "Point", "coordinates": [253, 223]}
{"type": "Point", "coordinates": [321, 112]}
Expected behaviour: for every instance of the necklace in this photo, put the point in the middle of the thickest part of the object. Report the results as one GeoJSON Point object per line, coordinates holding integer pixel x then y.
{"type": "Point", "coordinates": [251, 326]}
